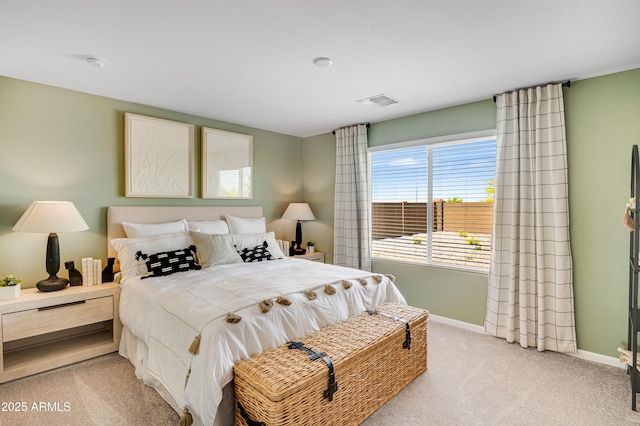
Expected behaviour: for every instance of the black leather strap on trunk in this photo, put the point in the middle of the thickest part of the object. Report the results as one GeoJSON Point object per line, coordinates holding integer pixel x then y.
{"type": "Point", "coordinates": [407, 334]}
{"type": "Point", "coordinates": [247, 419]}
{"type": "Point", "coordinates": [333, 385]}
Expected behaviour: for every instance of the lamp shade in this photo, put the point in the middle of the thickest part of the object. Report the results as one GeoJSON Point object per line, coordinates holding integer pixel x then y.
{"type": "Point", "coordinates": [298, 211]}
{"type": "Point", "coordinates": [51, 217]}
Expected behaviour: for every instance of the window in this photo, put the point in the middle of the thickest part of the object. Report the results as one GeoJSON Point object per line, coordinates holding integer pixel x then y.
{"type": "Point", "coordinates": [432, 201]}
{"type": "Point", "coordinates": [235, 183]}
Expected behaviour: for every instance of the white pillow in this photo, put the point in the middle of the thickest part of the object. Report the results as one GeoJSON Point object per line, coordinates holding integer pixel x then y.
{"type": "Point", "coordinates": [128, 247]}
{"type": "Point", "coordinates": [209, 226]}
{"type": "Point", "coordinates": [137, 230]}
{"type": "Point", "coordinates": [215, 249]}
{"type": "Point", "coordinates": [246, 225]}
{"type": "Point", "coordinates": [242, 241]}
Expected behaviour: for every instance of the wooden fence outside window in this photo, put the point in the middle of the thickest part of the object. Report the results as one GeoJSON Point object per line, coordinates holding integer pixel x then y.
{"type": "Point", "coordinates": [394, 219]}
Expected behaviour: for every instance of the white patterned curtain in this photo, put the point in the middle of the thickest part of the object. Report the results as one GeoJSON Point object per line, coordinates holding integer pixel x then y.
{"type": "Point", "coordinates": [530, 295]}
{"type": "Point", "coordinates": [351, 245]}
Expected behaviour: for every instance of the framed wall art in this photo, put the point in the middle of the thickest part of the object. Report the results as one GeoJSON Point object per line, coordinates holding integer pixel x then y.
{"type": "Point", "coordinates": [158, 157]}
{"type": "Point", "coordinates": [227, 164]}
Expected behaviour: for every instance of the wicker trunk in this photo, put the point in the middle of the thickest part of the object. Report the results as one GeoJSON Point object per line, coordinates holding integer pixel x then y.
{"type": "Point", "coordinates": [373, 356]}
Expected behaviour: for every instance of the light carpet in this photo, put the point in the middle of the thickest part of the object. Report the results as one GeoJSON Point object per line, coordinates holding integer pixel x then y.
{"type": "Point", "coordinates": [473, 379]}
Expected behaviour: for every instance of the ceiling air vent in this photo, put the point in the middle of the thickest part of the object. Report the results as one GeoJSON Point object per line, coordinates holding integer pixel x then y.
{"type": "Point", "coordinates": [378, 101]}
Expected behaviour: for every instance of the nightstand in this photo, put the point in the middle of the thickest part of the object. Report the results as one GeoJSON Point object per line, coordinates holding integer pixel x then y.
{"type": "Point", "coordinates": [314, 257]}
{"type": "Point", "coordinates": [41, 331]}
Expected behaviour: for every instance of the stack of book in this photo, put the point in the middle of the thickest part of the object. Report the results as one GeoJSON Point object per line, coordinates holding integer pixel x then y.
{"type": "Point", "coordinates": [284, 246]}
{"type": "Point", "coordinates": [91, 271]}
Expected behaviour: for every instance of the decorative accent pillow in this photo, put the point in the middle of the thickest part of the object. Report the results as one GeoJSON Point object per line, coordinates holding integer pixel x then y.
{"type": "Point", "coordinates": [215, 249]}
{"type": "Point", "coordinates": [128, 247]}
{"type": "Point", "coordinates": [246, 225]}
{"type": "Point", "coordinates": [209, 226]}
{"type": "Point", "coordinates": [169, 262]}
{"type": "Point", "coordinates": [257, 254]}
{"type": "Point", "coordinates": [137, 230]}
{"type": "Point", "coordinates": [242, 241]}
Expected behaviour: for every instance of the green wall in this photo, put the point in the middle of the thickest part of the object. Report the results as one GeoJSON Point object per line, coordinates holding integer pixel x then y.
{"type": "Point", "coordinates": [319, 180]}
{"type": "Point", "coordinates": [58, 144]}
{"type": "Point", "coordinates": [603, 122]}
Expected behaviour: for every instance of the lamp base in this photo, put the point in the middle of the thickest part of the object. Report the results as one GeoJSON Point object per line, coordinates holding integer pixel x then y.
{"type": "Point", "coordinates": [52, 284]}
{"type": "Point", "coordinates": [299, 251]}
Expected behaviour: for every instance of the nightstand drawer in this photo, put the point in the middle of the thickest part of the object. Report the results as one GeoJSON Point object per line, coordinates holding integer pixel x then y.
{"type": "Point", "coordinates": [34, 322]}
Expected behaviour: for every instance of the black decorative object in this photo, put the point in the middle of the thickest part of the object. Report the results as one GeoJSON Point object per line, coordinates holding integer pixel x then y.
{"type": "Point", "coordinates": [298, 250]}
{"type": "Point", "coordinates": [75, 276]}
{"type": "Point", "coordinates": [107, 272]}
{"type": "Point", "coordinates": [53, 283]}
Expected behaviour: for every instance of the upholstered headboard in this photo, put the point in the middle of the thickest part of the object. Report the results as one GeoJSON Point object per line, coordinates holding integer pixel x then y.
{"type": "Point", "coordinates": [158, 214]}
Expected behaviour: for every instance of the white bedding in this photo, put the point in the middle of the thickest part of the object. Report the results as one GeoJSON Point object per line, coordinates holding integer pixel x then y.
{"type": "Point", "coordinates": [167, 313]}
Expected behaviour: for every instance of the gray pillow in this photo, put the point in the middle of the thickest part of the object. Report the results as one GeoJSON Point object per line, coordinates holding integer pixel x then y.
{"type": "Point", "coordinates": [215, 249]}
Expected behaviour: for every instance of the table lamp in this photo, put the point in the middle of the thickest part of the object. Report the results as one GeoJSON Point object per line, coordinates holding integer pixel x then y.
{"type": "Point", "coordinates": [51, 217]}
{"type": "Point", "coordinates": [298, 211]}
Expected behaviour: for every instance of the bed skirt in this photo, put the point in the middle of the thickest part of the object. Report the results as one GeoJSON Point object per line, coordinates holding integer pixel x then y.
{"type": "Point", "coordinates": [135, 351]}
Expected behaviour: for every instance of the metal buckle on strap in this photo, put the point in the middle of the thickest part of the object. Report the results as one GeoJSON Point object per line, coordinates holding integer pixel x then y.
{"type": "Point", "coordinates": [407, 334]}
{"type": "Point", "coordinates": [333, 385]}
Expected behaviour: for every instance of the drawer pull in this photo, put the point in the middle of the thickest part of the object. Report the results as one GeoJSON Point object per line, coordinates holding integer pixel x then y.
{"type": "Point", "coordinates": [62, 305]}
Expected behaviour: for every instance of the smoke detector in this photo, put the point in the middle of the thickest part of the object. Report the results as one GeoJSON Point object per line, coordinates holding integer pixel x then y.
{"type": "Point", "coordinates": [322, 62]}
{"type": "Point", "coordinates": [96, 62]}
{"type": "Point", "coordinates": [378, 101]}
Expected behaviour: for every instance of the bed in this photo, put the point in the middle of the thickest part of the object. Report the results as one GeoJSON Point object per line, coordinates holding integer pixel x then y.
{"type": "Point", "coordinates": [185, 327]}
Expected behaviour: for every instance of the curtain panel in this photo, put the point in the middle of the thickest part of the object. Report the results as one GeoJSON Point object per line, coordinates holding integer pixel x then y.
{"type": "Point", "coordinates": [530, 293]}
{"type": "Point", "coordinates": [352, 199]}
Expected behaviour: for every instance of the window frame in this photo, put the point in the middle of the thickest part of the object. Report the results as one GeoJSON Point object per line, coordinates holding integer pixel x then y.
{"type": "Point", "coordinates": [452, 139]}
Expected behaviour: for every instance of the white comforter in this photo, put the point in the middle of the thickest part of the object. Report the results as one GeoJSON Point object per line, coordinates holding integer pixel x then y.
{"type": "Point", "coordinates": [167, 313]}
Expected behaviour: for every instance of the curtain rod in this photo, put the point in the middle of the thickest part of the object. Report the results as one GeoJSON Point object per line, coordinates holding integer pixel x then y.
{"type": "Point", "coordinates": [565, 84]}
{"type": "Point", "coordinates": [366, 124]}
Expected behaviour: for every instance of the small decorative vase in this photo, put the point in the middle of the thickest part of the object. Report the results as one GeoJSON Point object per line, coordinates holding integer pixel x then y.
{"type": "Point", "coordinates": [75, 276]}
{"type": "Point", "coordinates": [107, 272]}
{"type": "Point", "coordinates": [10, 292]}
{"type": "Point", "coordinates": [311, 249]}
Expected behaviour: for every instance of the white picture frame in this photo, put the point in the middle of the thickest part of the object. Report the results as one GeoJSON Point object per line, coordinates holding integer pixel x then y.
{"type": "Point", "coordinates": [159, 157]}
{"type": "Point", "coordinates": [227, 164]}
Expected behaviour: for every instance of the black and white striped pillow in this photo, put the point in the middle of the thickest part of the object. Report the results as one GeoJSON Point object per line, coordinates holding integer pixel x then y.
{"type": "Point", "coordinates": [257, 254]}
{"type": "Point", "coordinates": [169, 262]}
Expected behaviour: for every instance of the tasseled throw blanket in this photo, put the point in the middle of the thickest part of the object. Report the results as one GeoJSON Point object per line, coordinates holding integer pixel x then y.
{"type": "Point", "coordinates": [210, 301]}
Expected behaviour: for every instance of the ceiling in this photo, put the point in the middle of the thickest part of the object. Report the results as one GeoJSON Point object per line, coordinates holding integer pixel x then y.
{"type": "Point", "coordinates": [250, 62]}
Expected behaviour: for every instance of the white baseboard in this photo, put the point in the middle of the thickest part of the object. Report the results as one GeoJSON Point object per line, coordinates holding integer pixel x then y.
{"type": "Point", "coordinates": [599, 358]}
{"type": "Point", "coordinates": [457, 323]}
{"type": "Point", "coordinates": [586, 355]}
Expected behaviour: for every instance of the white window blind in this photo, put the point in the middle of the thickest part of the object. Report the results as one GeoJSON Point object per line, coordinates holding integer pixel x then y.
{"type": "Point", "coordinates": [433, 203]}
{"type": "Point", "coordinates": [235, 182]}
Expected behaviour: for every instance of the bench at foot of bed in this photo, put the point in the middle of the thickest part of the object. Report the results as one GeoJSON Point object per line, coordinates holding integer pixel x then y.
{"type": "Point", "coordinates": [336, 376]}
